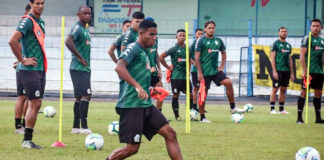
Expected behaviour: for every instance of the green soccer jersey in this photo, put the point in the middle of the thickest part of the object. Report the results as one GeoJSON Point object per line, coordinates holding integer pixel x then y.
{"type": "Point", "coordinates": [317, 48]}
{"type": "Point", "coordinates": [117, 43]}
{"type": "Point", "coordinates": [152, 57]}
{"type": "Point", "coordinates": [283, 51]}
{"type": "Point", "coordinates": [178, 60]}
{"type": "Point", "coordinates": [130, 37]}
{"type": "Point", "coordinates": [192, 54]}
{"type": "Point", "coordinates": [139, 68]}
{"type": "Point", "coordinates": [82, 41]}
{"type": "Point", "coordinates": [209, 50]}
{"type": "Point", "coordinates": [29, 43]}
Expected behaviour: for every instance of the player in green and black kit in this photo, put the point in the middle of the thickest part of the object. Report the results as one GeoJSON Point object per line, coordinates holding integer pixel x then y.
{"type": "Point", "coordinates": [178, 69]}
{"type": "Point", "coordinates": [198, 33]}
{"type": "Point", "coordinates": [132, 33]}
{"type": "Point", "coordinates": [79, 43]}
{"type": "Point", "coordinates": [206, 58]}
{"type": "Point", "coordinates": [137, 114]}
{"type": "Point", "coordinates": [117, 42]}
{"type": "Point", "coordinates": [31, 54]}
{"type": "Point", "coordinates": [315, 70]}
{"type": "Point", "coordinates": [282, 70]}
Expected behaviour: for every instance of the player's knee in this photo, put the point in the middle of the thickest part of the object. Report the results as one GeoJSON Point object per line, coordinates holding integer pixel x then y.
{"type": "Point", "coordinates": [86, 98]}
{"type": "Point", "coordinates": [175, 96]}
{"type": "Point", "coordinates": [132, 150]}
{"type": "Point", "coordinates": [227, 82]}
{"type": "Point", "coordinates": [303, 93]}
{"type": "Point", "coordinates": [21, 98]}
{"type": "Point", "coordinates": [283, 89]}
{"type": "Point", "coordinates": [171, 134]}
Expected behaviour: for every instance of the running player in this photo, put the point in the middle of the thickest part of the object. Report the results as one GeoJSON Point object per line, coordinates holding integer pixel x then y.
{"type": "Point", "coordinates": [32, 56]}
{"type": "Point", "coordinates": [206, 57]}
{"type": "Point", "coordinates": [79, 43]}
{"type": "Point", "coordinates": [315, 70]}
{"type": "Point", "coordinates": [117, 42]}
{"type": "Point", "coordinates": [178, 69]}
{"type": "Point", "coordinates": [132, 33]}
{"type": "Point", "coordinates": [137, 114]}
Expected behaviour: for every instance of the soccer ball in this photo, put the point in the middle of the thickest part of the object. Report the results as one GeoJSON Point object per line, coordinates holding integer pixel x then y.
{"type": "Point", "coordinates": [94, 141]}
{"type": "Point", "coordinates": [193, 115]}
{"type": "Point", "coordinates": [237, 118]}
{"type": "Point", "coordinates": [307, 153]}
{"type": "Point", "coordinates": [113, 128]}
{"type": "Point", "coordinates": [49, 111]}
{"type": "Point", "coordinates": [249, 108]}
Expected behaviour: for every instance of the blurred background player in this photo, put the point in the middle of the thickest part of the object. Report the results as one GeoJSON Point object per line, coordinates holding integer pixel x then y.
{"type": "Point", "coordinates": [315, 70]}
{"type": "Point", "coordinates": [117, 42]}
{"type": "Point", "coordinates": [282, 70]}
{"type": "Point", "coordinates": [137, 114]}
{"type": "Point", "coordinates": [198, 33]}
{"type": "Point", "coordinates": [21, 104]}
{"type": "Point", "coordinates": [206, 58]}
{"type": "Point", "coordinates": [31, 32]}
{"type": "Point", "coordinates": [79, 43]}
{"type": "Point", "coordinates": [132, 33]}
{"type": "Point", "coordinates": [178, 69]}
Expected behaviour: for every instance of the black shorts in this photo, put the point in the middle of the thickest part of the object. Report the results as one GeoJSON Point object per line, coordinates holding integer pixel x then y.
{"type": "Point", "coordinates": [283, 79]}
{"type": "Point", "coordinates": [154, 80]}
{"type": "Point", "coordinates": [217, 79]}
{"type": "Point", "coordinates": [316, 82]}
{"type": "Point", "coordinates": [20, 86]}
{"type": "Point", "coordinates": [34, 83]}
{"type": "Point", "coordinates": [81, 83]}
{"type": "Point", "coordinates": [134, 122]}
{"type": "Point", "coordinates": [194, 78]}
{"type": "Point", "coordinates": [178, 85]}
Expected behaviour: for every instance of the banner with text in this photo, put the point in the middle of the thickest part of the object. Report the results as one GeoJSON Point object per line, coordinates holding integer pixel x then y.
{"type": "Point", "coordinates": [110, 14]}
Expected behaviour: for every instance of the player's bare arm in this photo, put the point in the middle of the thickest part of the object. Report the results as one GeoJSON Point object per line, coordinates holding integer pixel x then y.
{"type": "Point", "coordinates": [273, 64]}
{"type": "Point", "coordinates": [163, 62]}
{"type": "Point", "coordinates": [112, 54]}
{"type": "Point", "coordinates": [292, 75]}
{"type": "Point", "coordinates": [221, 67]}
{"type": "Point", "coordinates": [71, 46]}
{"type": "Point", "coordinates": [303, 52]}
{"type": "Point", "coordinates": [197, 59]}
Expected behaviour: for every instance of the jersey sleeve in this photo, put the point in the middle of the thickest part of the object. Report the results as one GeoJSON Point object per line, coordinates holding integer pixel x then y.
{"type": "Point", "coordinates": [222, 46]}
{"type": "Point", "coordinates": [304, 42]}
{"type": "Point", "coordinates": [24, 26]}
{"type": "Point", "coordinates": [129, 53]}
{"type": "Point", "coordinates": [117, 40]}
{"type": "Point", "coordinates": [273, 47]}
{"type": "Point", "coordinates": [127, 38]}
{"type": "Point", "coordinates": [199, 44]}
{"type": "Point", "coordinates": [170, 51]}
{"type": "Point", "coordinates": [75, 32]}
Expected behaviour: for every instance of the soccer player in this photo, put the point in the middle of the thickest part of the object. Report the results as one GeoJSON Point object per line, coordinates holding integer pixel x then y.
{"type": "Point", "coordinates": [79, 43]}
{"type": "Point", "coordinates": [282, 70]}
{"type": "Point", "coordinates": [137, 114]}
{"type": "Point", "coordinates": [30, 31]}
{"type": "Point", "coordinates": [178, 69]}
{"type": "Point", "coordinates": [206, 57]}
{"type": "Point", "coordinates": [315, 70]}
{"type": "Point", "coordinates": [117, 42]}
{"type": "Point", "coordinates": [21, 104]}
{"type": "Point", "coordinates": [198, 33]}
{"type": "Point", "coordinates": [132, 33]}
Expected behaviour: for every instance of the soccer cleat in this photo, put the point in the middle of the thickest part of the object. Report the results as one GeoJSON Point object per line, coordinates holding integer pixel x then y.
{"type": "Point", "coordinates": [31, 145]}
{"type": "Point", "coordinates": [300, 122]}
{"type": "Point", "coordinates": [237, 110]}
{"type": "Point", "coordinates": [273, 112]}
{"type": "Point", "coordinates": [205, 120]}
{"type": "Point", "coordinates": [20, 131]}
{"type": "Point", "coordinates": [85, 131]}
{"type": "Point", "coordinates": [321, 121]}
{"type": "Point", "coordinates": [284, 112]}
{"type": "Point", "coordinates": [76, 131]}
{"type": "Point", "coordinates": [178, 118]}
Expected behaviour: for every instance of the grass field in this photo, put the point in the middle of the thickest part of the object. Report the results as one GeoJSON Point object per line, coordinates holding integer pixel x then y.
{"type": "Point", "coordinates": [261, 136]}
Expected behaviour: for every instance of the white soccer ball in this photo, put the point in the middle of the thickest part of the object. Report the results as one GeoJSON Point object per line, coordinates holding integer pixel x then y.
{"type": "Point", "coordinates": [237, 118]}
{"type": "Point", "coordinates": [194, 116]}
{"type": "Point", "coordinates": [49, 111]}
{"type": "Point", "coordinates": [249, 108]}
{"type": "Point", "coordinates": [113, 128]}
{"type": "Point", "coordinates": [307, 153]}
{"type": "Point", "coordinates": [94, 141]}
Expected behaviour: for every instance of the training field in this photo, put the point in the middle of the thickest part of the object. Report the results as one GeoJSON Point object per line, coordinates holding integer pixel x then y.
{"type": "Point", "coordinates": [260, 136]}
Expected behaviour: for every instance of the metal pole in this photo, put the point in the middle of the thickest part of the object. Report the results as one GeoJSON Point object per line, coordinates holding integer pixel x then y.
{"type": "Point", "coordinates": [256, 21]}
{"type": "Point", "coordinates": [314, 11]}
{"type": "Point", "coordinates": [305, 27]}
{"type": "Point", "coordinates": [250, 75]}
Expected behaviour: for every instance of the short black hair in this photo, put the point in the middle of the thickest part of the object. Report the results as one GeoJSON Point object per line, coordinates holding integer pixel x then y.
{"type": "Point", "coordinates": [209, 22]}
{"type": "Point", "coordinates": [31, 1]}
{"type": "Point", "coordinates": [145, 24]}
{"type": "Point", "coordinates": [126, 21]}
{"type": "Point", "coordinates": [199, 29]}
{"type": "Point", "coordinates": [138, 15]}
{"type": "Point", "coordinates": [83, 6]}
{"type": "Point", "coordinates": [282, 28]}
{"type": "Point", "coordinates": [27, 8]}
{"type": "Point", "coordinates": [316, 20]}
{"type": "Point", "coordinates": [180, 30]}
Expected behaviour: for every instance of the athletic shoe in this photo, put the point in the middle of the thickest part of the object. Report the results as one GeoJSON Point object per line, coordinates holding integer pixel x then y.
{"type": "Point", "coordinates": [237, 110]}
{"type": "Point", "coordinates": [85, 131]}
{"type": "Point", "coordinates": [273, 112]}
{"type": "Point", "coordinates": [300, 122]}
{"type": "Point", "coordinates": [76, 131]}
{"type": "Point", "coordinates": [319, 121]}
{"type": "Point", "coordinates": [284, 112]}
{"type": "Point", "coordinates": [30, 144]}
{"type": "Point", "coordinates": [205, 120]}
{"type": "Point", "coordinates": [20, 131]}
{"type": "Point", "coordinates": [178, 119]}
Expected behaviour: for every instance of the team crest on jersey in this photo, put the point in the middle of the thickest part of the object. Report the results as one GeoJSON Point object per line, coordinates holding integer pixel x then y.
{"type": "Point", "coordinates": [216, 42]}
{"type": "Point", "coordinates": [288, 46]}
{"type": "Point", "coordinates": [322, 41]}
{"type": "Point", "coordinates": [208, 43]}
